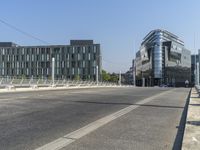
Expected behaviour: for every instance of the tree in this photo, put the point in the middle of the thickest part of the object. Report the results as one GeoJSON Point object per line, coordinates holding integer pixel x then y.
{"type": "Point", "coordinates": [105, 76]}
{"type": "Point", "coordinates": [114, 77]}
{"type": "Point", "coordinates": [77, 78]}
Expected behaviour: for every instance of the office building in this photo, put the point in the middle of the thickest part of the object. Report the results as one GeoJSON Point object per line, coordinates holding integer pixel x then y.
{"type": "Point", "coordinates": [162, 59]}
{"type": "Point", "coordinates": [75, 61]}
{"type": "Point", "coordinates": [129, 76]}
{"type": "Point", "coordinates": [194, 68]}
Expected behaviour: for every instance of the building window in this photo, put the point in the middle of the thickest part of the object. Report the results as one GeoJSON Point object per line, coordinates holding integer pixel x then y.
{"type": "Point", "coordinates": [84, 49]}
{"type": "Point", "coordinates": [27, 57]}
{"type": "Point", "coordinates": [79, 56]}
{"type": "Point", "coordinates": [94, 63]}
{"type": "Point", "coordinates": [78, 71]}
{"type": "Point", "coordinates": [42, 57]}
{"type": "Point", "coordinates": [32, 57]}
{"type": "Point", "coordinates": [73, 63]}
{"type": "Point", "coordinates": [83, 56]}
{"type": "Point", "coordinates": [27, 71]}
{"type": "Point", "coordinates": [63, 64]}
{"type": "Point", "coordinates": [38, 51]}
{"type": "Point", "coordinates": [3, 52]}
{"type": "Point", "coordinates": [22, 51]}
{"type": "Point", "coordinates": [47, 57]}
{"type": "Point", "coordinates": [94, 49]}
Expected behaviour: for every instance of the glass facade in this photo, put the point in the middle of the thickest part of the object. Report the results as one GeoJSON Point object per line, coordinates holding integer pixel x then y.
{"type": "Point", "coordinates": [79, 58]}
{"type": "Point", "coordinates": [162, 59]}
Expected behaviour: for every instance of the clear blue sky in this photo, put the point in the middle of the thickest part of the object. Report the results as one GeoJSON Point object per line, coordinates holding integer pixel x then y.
{"type": "Point", "coordinates": [118, 25]}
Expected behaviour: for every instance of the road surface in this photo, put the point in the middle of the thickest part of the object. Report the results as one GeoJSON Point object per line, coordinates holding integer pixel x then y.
{"type": "Point", "coordinates": [30, 120]}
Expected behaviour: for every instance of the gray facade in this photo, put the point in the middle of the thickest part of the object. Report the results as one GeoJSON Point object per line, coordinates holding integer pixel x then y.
{"type": "Point", "coordinates": [162, 59]}
{"type": "Point", "coordinates": [77, 60]}
{"type": "Point", "coordinates": [194, 75]}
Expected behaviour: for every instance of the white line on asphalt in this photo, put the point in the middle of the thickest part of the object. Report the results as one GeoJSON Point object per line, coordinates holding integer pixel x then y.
{"type": "Point", "coordinates": [12, 98]}
{"type": "Point", "coordinates": [75, 135]}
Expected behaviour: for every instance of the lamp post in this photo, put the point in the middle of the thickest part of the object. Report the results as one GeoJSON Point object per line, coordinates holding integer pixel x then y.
{"type": "Point", "coordinates": [120, 78]}
{"type": "Point", "coordinates": [97, 74]}
{"type": "Point", "coordinates": [197, 74]}
{"type": "Point", "coordinates": [53, 70]}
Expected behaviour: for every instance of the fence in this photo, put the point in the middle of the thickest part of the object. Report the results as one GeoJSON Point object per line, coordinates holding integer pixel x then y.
{"type": "Point", "coordinates": [32, 82]}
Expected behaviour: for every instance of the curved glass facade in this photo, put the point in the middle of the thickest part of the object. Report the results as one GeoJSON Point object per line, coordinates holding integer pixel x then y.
{"type": "Point", "coordinates": [162, 59]}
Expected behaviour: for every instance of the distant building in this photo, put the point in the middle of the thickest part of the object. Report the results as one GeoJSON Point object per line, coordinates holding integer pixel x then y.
{"type": "Point", "coordinates": [194, 75]}
{"type": "Point", "coordinates": [162, 59]}
{"type": "Point", "coordinates": [129, 76]}
{"type": "Point", "coordinates": [77, 60]}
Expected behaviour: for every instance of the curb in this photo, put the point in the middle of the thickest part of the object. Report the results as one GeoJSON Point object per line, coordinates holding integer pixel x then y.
{"type": "Point", "coordinates": [191, 138]}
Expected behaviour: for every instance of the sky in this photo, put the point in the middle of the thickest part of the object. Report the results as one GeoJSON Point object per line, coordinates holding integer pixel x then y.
{"type": "Point", "coordinates": [118, 25]}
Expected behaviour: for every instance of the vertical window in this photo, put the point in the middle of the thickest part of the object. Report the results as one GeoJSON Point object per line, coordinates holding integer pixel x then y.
{"type": "Point", "coordinates": [32, 57]}
{"type": "Point", "coordinates": [83, 64]}
{"type": "Point", "coordinates": [27, 57]}
{"type": "Point", "coordinates": [3, 52]}
{"type": "Point", "coordinates": [42, 57]}
{"type": "Point", "coordinates": [22, 51]}
{"type": "Point", "coordinates": [47, 57]}
{"type": "Point", "coordinates": [37, 50]}
{"type": "Point", "coordinates": [94, 63]}
{"type": "Point", "coordinates": [84, 49]}
{"type": "Point", "coordinates": [94, 49]}
{"type": "Point", "coordinates": [79, 56]}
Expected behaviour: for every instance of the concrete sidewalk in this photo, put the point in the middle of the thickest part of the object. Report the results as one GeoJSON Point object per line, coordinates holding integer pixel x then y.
{"type": "Point", "coordinates": [191, 138]}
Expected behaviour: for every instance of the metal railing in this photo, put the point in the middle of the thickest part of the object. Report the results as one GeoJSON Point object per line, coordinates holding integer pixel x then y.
{"type": "Point", "coordinates": [12, 82]}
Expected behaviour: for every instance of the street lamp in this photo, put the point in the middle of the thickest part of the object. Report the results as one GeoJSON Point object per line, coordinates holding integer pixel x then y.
{"type": "Point", "coordinates": [53, 70]}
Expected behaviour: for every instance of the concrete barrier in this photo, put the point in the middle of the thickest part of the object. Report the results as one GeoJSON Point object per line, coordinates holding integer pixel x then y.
{"type": "Point", "coordinates": [191, 139]}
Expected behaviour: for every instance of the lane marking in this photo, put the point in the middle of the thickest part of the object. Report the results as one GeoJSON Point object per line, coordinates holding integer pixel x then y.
{"type": "Point", "coordinates": [77, 134]}
{"type": "Point", "coordinates": [12, 98]}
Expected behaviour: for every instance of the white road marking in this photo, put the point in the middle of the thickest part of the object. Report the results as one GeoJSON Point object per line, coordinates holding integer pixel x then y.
{"type": "Point", "coordinates": [12, 98]}
{"type": "Point", "coordinates": [75, 135]}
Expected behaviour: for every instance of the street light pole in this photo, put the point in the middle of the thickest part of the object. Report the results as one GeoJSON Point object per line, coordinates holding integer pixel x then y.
{"type": "Point", "coordinates": [120, 78]}
{"type": "Point", "coordinates": [53, 70]}
{"type": "Point", "coordinates": [97, 74]}
{"type": "Point", "coordinates": [197, 73]}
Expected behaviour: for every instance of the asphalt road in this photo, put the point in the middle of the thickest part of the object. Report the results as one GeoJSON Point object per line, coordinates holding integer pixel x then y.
{"type": "Point", "coordinates": [32, 119]}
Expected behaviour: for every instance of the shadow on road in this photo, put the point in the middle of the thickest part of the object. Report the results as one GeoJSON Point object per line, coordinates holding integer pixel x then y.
{"type": "Point", "coordinates": [196, 123]}
{"type": "Point", "coordinates": [195, 104]}
{"type": "Point", "coordinates": [181, 128]}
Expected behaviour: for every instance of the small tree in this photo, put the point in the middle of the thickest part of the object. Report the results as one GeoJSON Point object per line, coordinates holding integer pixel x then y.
{"type": "Point", "coordinates": [114, 77]}
{"type": "Point", "coordinates": [105, 76]}
{"type": "Point", "coordinates": [77, 78]}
